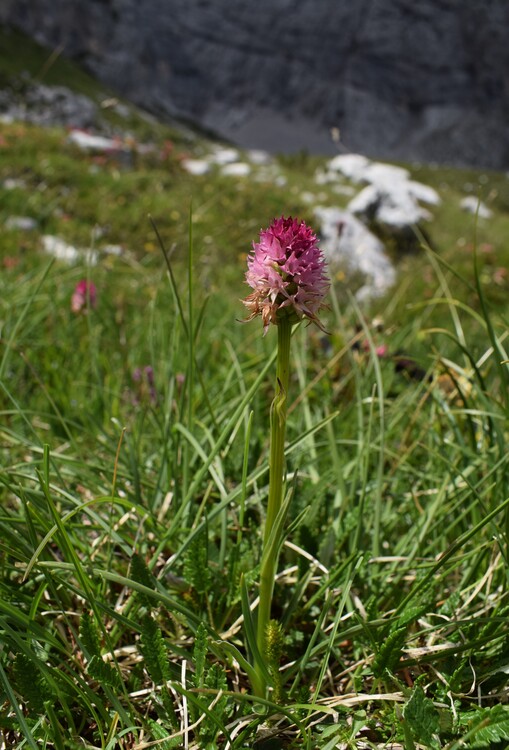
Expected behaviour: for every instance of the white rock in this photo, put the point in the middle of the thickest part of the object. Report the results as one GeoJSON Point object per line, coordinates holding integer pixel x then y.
{"type": "Point", "coordinates": [377, 173]}
{"type": "Point", "coordinates": [390, 196]}
{"type": "Point", "coordinates": [324, 178]}
{"type": "Point", "coordinates": [256, 156]}
{"type": "Point", "coordinates": [366, 201]}
{"type": "Point", "coordinates": [23, 223]}
{"type": "Point", "coordinates": [475, 206]}
{"type": "Point", "coordinates": [113, 250]}
{"type": "Point", "coordinates": [61, 250]}
{"type": "Point", "coordinates": [12, 183]}
{"type": "Point", "coordinates": [423, 193]}
{"type": "Point", "coordinates": [307, 197]}
{"type": "Point", "coordinates": [393, 206]}
{"type": "Point", "coordinates": [196, 167]}
{"type": "Point", "coordinates": [346, 241]}
{"type": "Point", "coordinates": [269, 173]}
{"type": "Point", "coordinates": [224, 155]}
{"type": "Point", "coordinates": [90, 142]}
{"type": "Point", "coordinates": [352, 166]}
{"type": "Point", "coordinates": [236, 169]}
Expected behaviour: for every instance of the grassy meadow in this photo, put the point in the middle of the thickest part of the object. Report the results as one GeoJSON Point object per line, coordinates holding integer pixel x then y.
{"type": "Point", "coordinates": [134, 438]}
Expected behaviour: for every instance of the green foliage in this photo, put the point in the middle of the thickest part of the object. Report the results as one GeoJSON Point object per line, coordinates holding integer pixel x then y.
{"type": "Point", "coordinates": [156, 662]}
{"type": "Point", "coordinates": [154, 651]}
{"type": "Point", "coordinates": [274, 652]}
{"type": "Point", "coordinates": [104, 673]}
{"type": "Point", "coordinates": [196, 564]}
{"type": "Point", "coordinates": [411, 471]}
{"type": "Point", "coordinates": [215, 680]}
{"type": "Point", "coordinates": [200, 651]}
{"type": "Point", "coordinates": [422, 718]}
{"type": "Point", "coordinates": [30, 683]}
{"type": "Point", "coordinates": [342, 733]}
{"type": "Point", "coordinates": [389, 653]}
{"type": "Point", "coordinates": [141, 574]}
{"type": "Point", "coordinates": [160, 734]}
{"type": "Point", "coordinates": [100, 670]}
{"type": "Point", "coordinates": [199, 654]}
{"type": "Point", "coordinates": [89, 635]}
{"type": "Point", "coordinates": [485, 727]}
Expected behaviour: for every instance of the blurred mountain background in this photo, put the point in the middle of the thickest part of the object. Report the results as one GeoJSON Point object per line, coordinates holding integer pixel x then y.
{"type": "Point", "coordinates": [393, 79]}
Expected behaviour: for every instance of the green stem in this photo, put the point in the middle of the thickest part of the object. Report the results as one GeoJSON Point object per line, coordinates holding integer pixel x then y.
{"type": "Point", "coordinates": [276, 484]}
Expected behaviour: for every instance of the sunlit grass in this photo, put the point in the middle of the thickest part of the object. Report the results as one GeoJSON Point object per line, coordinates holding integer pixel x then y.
{"type": "Point", "coordinates": [130, 529]}
{"type": "Point", "coordinates": [395, 573]}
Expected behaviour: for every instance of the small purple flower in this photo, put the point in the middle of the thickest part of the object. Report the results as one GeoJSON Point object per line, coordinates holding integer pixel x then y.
{"type": "Point", "coordinates": [149, 373]}
{"type": "Point", "coordinates": [84, 296]}
{"type": "Point", "coordinates": [145, 385]}
{"type": "Point", "coordinates": [287, 272]}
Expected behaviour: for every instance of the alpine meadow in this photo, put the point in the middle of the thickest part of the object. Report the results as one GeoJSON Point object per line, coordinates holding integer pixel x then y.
{"type": "Point", "coordinates": [277, 524]}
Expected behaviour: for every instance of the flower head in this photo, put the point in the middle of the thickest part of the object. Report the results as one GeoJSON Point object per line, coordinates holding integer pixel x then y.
{"type": "Point", "coordinates": [287, 272]}
{"type": "Point", "coordinates": [84, 296]}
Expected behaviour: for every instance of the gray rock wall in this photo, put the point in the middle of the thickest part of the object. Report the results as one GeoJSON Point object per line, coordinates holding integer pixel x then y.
{"type": "Point", "coordinates": [401, 79]}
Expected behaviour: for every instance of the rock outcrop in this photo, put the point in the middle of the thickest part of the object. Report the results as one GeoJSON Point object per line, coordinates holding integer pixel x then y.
{"type": "Point", "coordinates": [400, 79]}
{"type": "Point", "coordinates": [49, 105]}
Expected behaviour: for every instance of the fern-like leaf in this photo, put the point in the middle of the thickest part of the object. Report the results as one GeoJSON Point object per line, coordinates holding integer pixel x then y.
{"type": "Point", "coordinates": [89, 636]}
{"type": "Point", "coordinates": [196, 564]}
{"type": "Point", "coordinates": [29, 683]}
{"type": "Point", "coordinates": [215, 679]}
{"type": "Point", "coordinates": [390, 652]}
{"type": "Point", "coordinates": [104, 673]}
{"type": "Point", "coordinates": [200, 654]}
{"type": "Point", "coordinates": [141, 574]}
{"type": "Point", "coordinates": [422, 717]}
{"type": "Point", "coordinates": [487, 726]}
{"type": "Point", "coordinates": [154, 651]}
{"type": "Point", "coordinates": [160, 734]}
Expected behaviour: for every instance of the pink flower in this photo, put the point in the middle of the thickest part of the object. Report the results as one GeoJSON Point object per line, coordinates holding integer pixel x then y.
{"type": "Point", "coordinates": [145, 385]}
{"type": "Point", "coordinates": [287, 272]}
{"type": "Point", "coordinates": [84, 296]}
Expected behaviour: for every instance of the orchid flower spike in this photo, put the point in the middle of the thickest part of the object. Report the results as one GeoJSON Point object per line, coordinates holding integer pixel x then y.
{"type": "Point", "coordinates": [287, 272]}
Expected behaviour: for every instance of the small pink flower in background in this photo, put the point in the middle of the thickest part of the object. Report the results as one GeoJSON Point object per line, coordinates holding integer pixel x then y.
{"type": "Point", "coordinates": [10, 262]}
{"type": "Point", "coordinates": [287, 272]}
{"type": "Point", "coordinates": [380, 351]}
{"type": "Point", "coordinates": [84, 296]}
{"type": "Point", "coordinates": [500, 275]}
{"type": "Point", "coordinates": [145, 386]}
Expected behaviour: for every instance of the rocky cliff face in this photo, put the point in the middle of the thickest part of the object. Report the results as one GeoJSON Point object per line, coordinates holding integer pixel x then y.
{"type": "Point", "coordinates": [401, 79]}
